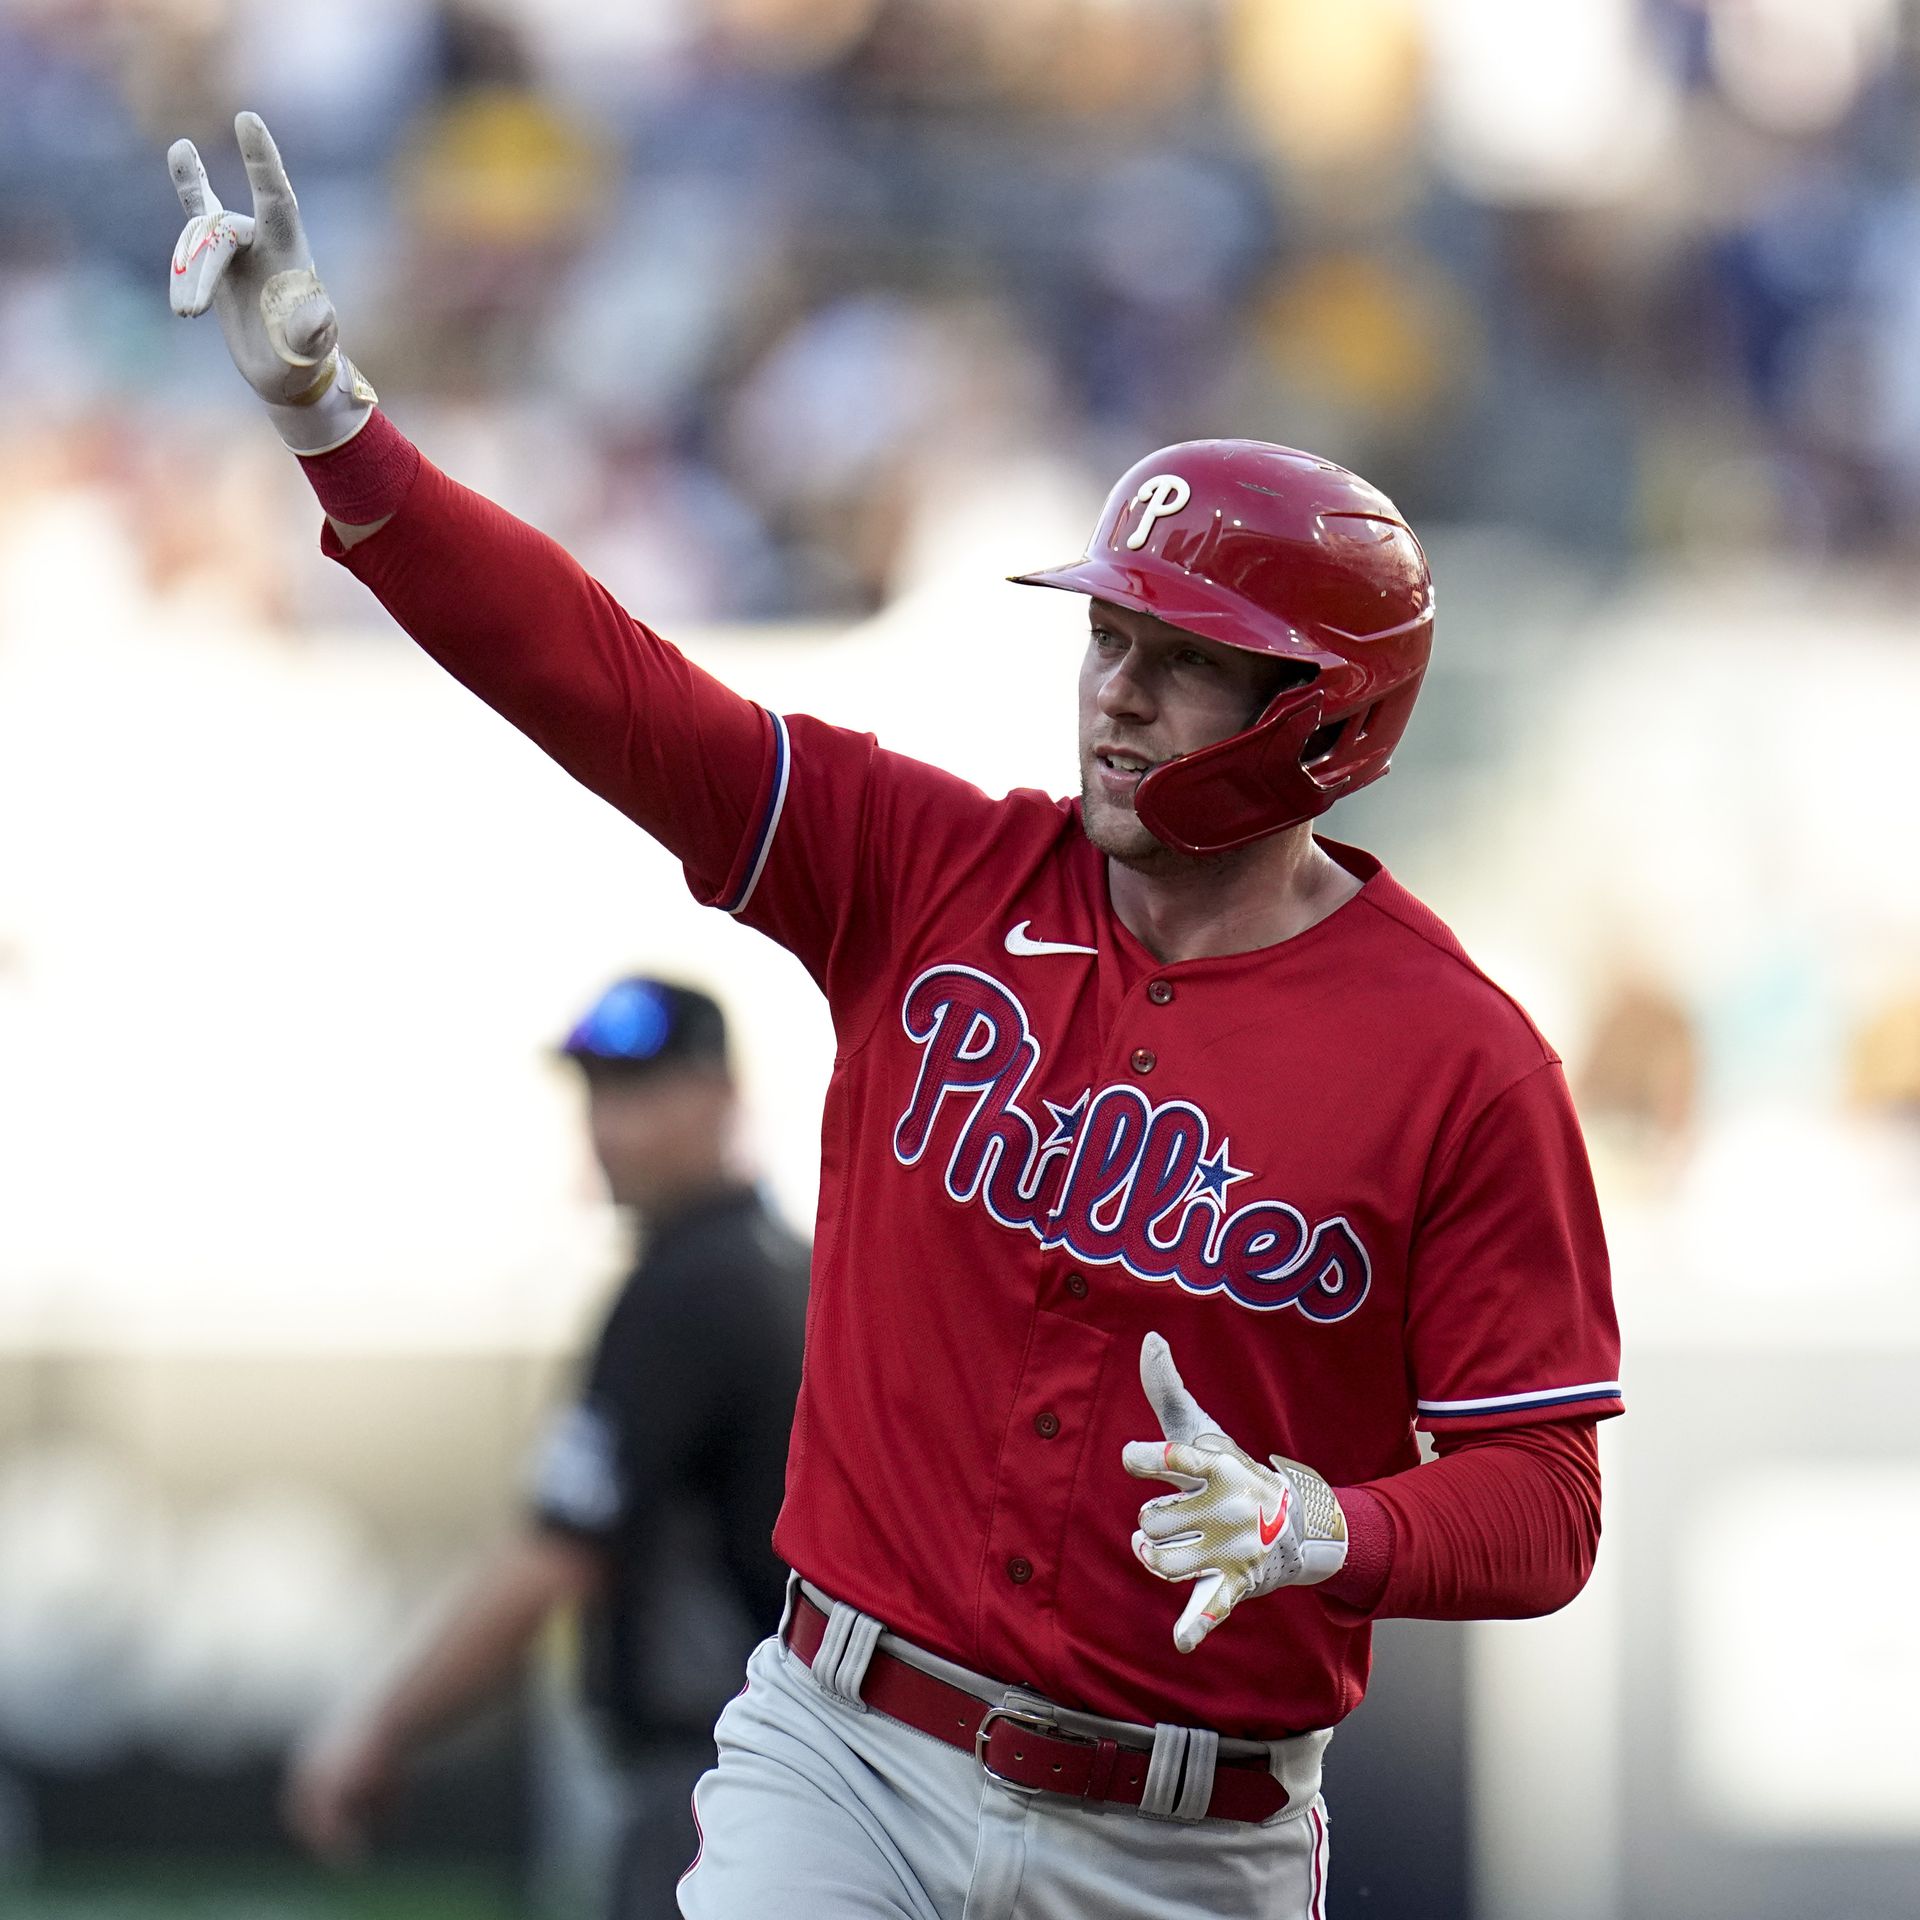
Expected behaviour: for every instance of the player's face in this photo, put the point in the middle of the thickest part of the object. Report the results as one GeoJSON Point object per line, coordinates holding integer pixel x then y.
{"type": "Point", "coordinates": [1148, 692]}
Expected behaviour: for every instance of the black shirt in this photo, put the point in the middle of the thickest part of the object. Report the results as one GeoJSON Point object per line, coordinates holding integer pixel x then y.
{"type": "Point", "coordinates": [673, 1458]}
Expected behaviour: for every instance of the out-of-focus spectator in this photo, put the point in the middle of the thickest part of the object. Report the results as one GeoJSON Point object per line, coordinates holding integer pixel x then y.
{"type": "Point", "coordinates": [498, 188]}
{"type": "Point", "coordinates": [1638, 1086]}
{"type": "Point", "coordinates": [1884, 1069]}
{"type": "Point", "coordinates": [655, 1491]}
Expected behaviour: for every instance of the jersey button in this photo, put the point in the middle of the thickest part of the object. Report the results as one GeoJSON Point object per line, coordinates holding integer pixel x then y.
{"type": "Point", "coordinates": [1160, 992]}
{"type": "Point", "coordinates": [1077, 1285]}
{"type": "Point", "coordinates": [1019, 1569]}
{"type": "Point", "coordinates": [1143, 1059]}
{"type": "Point", "coordinates": [1046, 1425]}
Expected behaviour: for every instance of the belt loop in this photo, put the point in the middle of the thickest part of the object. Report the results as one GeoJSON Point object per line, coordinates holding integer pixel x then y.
{"type": "Point", "coordinates": [850, 1670]}
{"type": "Point", "coordinates": [1196, 1785]}
{"type": "Point", "coordinates": [786, 1607]}
{"type": "Point", "coordinates": [833, 1638]}
{"type": "Point", "coordinates": [845, 1648]}
{"type": "Point", "coordinates": [1163, 1770]}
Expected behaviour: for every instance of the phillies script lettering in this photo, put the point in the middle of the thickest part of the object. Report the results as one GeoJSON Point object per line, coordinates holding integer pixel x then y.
{"type": "Point", "coordinates": [1116, 1179]}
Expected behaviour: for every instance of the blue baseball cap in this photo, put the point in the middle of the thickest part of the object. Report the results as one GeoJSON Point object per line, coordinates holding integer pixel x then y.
{"type": "Point", "coordinates": [640, 1024]}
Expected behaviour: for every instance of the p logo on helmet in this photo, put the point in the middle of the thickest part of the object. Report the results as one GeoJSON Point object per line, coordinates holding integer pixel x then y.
{"type": "Point", "coordinates": [1165, 493]}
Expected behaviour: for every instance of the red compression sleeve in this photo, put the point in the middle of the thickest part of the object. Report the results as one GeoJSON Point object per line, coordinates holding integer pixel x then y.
{"type": "Point", "coordinates": [1502, 1526]}
{"type": "Point", "coordinates": [1363, 1578]}
{"type": "Point", "coordinates": [515, 618]}
{"type": "Point", "coordinates": [367, 479]}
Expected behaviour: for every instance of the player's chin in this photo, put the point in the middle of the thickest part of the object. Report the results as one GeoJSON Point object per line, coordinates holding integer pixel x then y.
{"type": "Point", "coordinates": [1119, 833]}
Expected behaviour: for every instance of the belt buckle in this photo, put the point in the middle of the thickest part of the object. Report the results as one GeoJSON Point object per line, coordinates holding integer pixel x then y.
{"type": "Point", "coordinates": [1034, 1723]}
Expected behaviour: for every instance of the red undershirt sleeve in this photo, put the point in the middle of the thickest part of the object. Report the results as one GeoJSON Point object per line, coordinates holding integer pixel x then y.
{"type": "Point", "coordinates": [812, 834]}
{"type": "Point", "coordinates": [1502, 1526]}
{"type": "Point", "coordinates": [512, 616]}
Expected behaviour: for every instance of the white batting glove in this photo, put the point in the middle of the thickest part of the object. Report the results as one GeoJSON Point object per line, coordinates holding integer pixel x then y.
{"type": "Point", "coordinates": [1236, 1528]}
{"type": "Point", "coordinates": [256, 272]}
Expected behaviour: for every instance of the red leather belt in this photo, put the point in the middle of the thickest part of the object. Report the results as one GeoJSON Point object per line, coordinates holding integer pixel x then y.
{"type": "Point", "coordinates": [1022, 1748]}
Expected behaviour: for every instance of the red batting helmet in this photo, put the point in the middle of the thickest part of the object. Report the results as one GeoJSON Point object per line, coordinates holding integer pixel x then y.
{"type": "Point", "coordinates": [1278, 552]}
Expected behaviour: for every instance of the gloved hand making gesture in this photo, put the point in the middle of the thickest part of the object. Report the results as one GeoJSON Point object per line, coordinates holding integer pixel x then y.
{"type": "Point", "coordinates": [1236, 1528]}
{"type": "Point", "coordinates": [256, 272]}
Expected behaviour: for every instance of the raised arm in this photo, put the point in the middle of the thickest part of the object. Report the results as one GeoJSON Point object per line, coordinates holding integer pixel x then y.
{"type": "Point", "coordinates": [806, 831]}
{"type": "Point", "coordinates": [505, 609]}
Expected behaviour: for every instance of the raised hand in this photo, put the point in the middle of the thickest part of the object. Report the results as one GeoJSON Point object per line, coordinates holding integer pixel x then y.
{"type": "Point", "coordinates": [1235, 1528]}
{"type": "Point", "coordinates": [256, 272]}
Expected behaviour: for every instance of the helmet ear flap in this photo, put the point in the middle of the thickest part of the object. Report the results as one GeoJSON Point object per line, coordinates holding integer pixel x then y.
{"type": "Point", "coordinates": [1226, 795]}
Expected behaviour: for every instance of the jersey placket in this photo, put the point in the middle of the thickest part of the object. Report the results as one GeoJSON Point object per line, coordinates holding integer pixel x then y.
{"type": "Point", "coordinates": [1072, 1347]}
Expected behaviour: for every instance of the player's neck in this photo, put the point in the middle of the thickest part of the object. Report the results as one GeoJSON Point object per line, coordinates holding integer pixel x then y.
{"type": "Point", "coordinates": [1254, 897]}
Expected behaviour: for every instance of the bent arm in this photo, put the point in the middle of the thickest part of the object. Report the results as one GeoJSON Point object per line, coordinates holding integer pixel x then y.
{"type": "Point", "coordinates": [480, 1646]}
{"type": "Point", "coordinates": [1503, 1526]}
{"type": "Point", "coordinates": [341, 1783]}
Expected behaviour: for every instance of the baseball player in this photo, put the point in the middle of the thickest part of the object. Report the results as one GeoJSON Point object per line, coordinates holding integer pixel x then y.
{"type": "Point", "coordinates": [1164, 1140]}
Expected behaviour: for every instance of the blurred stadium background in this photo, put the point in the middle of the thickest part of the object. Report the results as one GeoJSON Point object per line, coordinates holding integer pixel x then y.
{"type": "Point", "coordinates": [802, 322]}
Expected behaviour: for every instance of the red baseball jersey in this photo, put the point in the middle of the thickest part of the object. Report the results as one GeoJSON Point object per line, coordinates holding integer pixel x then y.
{"type": "Point", "coordinates": [1341, 1175]}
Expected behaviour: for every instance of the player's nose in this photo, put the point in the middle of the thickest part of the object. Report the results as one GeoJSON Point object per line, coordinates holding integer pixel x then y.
{"type": "Point", "coordinates": [1124, 692]}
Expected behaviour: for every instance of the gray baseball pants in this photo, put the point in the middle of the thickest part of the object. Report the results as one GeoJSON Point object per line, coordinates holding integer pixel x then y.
{"type": "Point", "coordinates": [821, 1809]}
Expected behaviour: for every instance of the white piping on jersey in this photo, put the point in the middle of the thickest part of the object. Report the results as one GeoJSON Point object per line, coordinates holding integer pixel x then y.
{"type": "Point", "coordinates": [1316, 1813]}
{"type": "Point", "coordinates": [1588, 1390]}
{"type": "Point", "coordinates": [783, 768]}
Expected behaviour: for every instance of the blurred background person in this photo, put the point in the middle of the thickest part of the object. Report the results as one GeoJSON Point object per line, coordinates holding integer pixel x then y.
{"type": "Point", "coordinates": [654, 1492]}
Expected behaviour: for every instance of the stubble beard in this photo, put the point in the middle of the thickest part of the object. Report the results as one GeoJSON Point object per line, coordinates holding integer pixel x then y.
{"type": "Point", "coordinates": [1122, 835]}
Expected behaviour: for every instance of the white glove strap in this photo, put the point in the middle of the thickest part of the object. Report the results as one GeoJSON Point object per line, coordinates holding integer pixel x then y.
{"type": "Point", "coordinates": [339, 403]}
{"type": "Point", "coordinates": [1314, 1548]}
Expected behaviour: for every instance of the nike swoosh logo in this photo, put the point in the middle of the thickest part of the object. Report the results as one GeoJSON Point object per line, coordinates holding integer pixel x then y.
{"type": "Point", "coordinates": [205, 241]}
{"type": "Point", "coordinates": [1019, 942]}
{"type": "Point", "coordinates": [1269, 1533]}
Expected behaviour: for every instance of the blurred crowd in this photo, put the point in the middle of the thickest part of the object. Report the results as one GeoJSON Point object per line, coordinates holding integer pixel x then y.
{"type": "Point", "coordinates": [726, 293]}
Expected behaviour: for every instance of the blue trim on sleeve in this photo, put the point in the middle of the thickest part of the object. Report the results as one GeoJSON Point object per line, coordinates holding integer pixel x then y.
{"type": "Point", "coordinates": [1518, 1402]}
{"type": "Point", "coordinates": [769, 821]}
